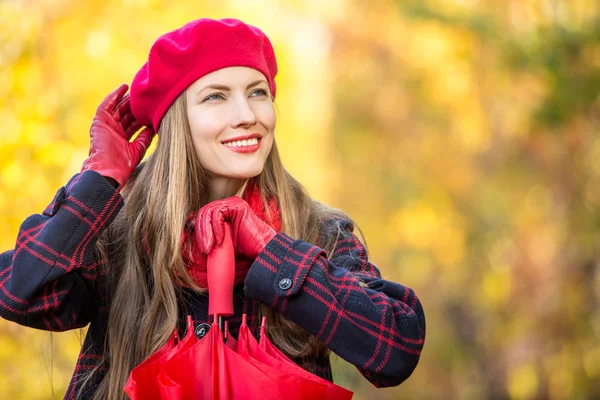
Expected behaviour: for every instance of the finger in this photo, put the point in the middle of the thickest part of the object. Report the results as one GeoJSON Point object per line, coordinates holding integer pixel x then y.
{"type": "Point", "coordinates": [219, 227]}
{"type": "Point", "coordinates": [199, 232]}
{"type": "Point", "coordinates": [132, 129]}
{"type": "Point", "coordinates": [203, 241]}
{"type": "Point", "coordinates": [207, 237]}
{"type": "Point", "coordinates": [235, 225]}
{"type": "Point", "coordinates": [127, 122]}
{"type": "Point", "coordinates": [123, 107]}
{"type": "Point", "coordinates": [227, 219]}
{"type": "Point", "coordinates": [142, 142]}
{"type": "Point", "coordinates": [113, 97]}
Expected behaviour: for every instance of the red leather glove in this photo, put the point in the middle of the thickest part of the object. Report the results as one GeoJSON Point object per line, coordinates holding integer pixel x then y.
{"type": "Point", "coordinates": [249, 233]}
{"type": "Point", "coordinates": [111, 153]}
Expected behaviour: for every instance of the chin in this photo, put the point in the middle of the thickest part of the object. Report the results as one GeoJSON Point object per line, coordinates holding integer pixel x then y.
{"type": "Point", "coordinates": [247, 173]}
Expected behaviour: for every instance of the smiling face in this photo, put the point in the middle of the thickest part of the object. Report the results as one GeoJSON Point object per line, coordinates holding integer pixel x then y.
{"type": "Point", "coordinates": [232, 120]}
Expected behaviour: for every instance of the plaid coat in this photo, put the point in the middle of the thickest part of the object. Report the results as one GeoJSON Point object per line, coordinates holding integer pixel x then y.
{"type": "Point", "coordinates": [52, 281]}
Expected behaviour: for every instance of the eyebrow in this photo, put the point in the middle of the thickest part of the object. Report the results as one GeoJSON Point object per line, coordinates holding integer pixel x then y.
{"type": "Point", "coordinates": [227, 88]}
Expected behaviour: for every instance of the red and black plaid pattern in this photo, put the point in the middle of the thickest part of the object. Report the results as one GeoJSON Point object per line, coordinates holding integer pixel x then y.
{"type": "Point", "coordinates": [378, 326]}
{"type": "Point", "coordinates": [52, 281]}
{"type": "Point", "coordinates": [48, 280]}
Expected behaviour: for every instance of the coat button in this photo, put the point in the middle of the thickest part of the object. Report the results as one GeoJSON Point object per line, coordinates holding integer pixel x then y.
{"type": "Point", "coordinates": [285, 284]}
{"type": "Point", "coordinates": [58, 200]}
{"type": "Point", "coordinates": [201, 330]}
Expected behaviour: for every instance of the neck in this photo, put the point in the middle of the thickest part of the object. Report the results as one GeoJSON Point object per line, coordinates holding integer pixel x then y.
{"type": "Point", "coordinates": [221, 188]}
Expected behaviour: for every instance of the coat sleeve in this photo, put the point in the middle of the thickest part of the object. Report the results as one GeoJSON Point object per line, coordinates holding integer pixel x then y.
{"type": "Point", "coordinates": [377, 325]}
{"type": "Point", "coordinates": [49, 280]}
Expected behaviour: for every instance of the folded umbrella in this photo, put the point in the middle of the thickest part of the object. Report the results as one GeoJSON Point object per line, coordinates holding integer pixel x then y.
{"type": "Point", "coordinates": [210, 369]}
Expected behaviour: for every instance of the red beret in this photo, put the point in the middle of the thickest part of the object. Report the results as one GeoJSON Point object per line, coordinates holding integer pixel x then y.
{"type": "Point", "coordinates": [181, 57]}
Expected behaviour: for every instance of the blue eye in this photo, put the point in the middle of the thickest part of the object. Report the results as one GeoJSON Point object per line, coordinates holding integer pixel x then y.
{"type": "Point", "coordinates": [261, 92]}
{"type": "Point", "coordinates": [214, 96]}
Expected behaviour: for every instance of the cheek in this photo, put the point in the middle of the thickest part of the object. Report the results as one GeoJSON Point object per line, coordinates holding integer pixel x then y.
{"type": "Point", "coordinates": [273, 122]}
{"type": "Point", "coordinates": [203, 129]}
{"type": "Point", "coordinates": [266, 115]}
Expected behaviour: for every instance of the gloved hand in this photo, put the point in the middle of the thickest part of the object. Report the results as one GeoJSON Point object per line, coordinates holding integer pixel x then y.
{"type": "Point", "coordinates": [249, 233]}
{"type": "Point", "coordinates": [111, 153]}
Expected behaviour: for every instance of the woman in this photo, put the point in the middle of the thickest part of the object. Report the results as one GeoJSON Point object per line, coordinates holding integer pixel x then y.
{"type": "Point", "coordinates": [123, 246]}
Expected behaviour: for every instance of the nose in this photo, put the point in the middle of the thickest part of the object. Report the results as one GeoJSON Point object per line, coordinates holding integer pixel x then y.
{"type": "Point", "coordinates": [243, 114]}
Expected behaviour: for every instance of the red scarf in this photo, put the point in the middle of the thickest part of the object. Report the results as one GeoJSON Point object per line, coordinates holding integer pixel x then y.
{"type": "Point", "coordinates": [196, 261]}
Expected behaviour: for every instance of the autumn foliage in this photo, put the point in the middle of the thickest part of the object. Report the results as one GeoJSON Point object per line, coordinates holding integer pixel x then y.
{"type": "Point", "coordinates": [461, 135]}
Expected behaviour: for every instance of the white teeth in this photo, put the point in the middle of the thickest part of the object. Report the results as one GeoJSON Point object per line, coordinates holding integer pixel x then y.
{"type": "Point", "coordinates": [242, 143]}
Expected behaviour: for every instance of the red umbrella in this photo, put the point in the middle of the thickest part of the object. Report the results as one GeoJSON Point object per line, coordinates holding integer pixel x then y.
{"type": "Point", "coordinates": [210, 369]}
{"type": "Point", "coordinates": [142, 382]}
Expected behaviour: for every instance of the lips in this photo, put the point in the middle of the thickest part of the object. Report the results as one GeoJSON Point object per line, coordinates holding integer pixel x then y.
{"type": "Point", "coordinates": [239, 139]}
{"type": "Point", "coordinates": [243, 144]}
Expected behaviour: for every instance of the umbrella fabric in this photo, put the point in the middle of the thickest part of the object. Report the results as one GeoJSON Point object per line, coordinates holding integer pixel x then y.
{"type": "Point", "coordinates": [142, 383]}
{"type": "Point", "coordinates": [271, 355]}
{"type": "Point", "coordinates": [210, 370]}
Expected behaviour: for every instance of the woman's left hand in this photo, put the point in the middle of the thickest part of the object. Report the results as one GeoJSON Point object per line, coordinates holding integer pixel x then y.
{"type": "Point", "coordinates": [249, 233]}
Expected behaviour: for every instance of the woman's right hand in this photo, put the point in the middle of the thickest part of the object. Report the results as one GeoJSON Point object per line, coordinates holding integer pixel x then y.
{"type": "Point", "coordinates": [112, 155]}
{"type": "Point", "coordinates": [249, 233]}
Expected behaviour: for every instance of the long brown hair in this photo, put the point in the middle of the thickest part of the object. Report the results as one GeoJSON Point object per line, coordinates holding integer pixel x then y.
{"type": "Point", "coordinates": [142, 249]}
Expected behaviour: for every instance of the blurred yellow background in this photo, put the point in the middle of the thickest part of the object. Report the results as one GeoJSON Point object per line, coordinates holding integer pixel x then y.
{"type": "Point", "coordinates": [461, 135]}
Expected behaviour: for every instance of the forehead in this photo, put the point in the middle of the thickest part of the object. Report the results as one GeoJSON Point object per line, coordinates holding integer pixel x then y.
{"type": "Point", "coordinates": [230, 76]}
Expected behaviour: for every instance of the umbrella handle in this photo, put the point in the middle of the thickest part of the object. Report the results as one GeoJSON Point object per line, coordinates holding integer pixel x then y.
{"type": "Point", "coordinates": [220, 274]}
